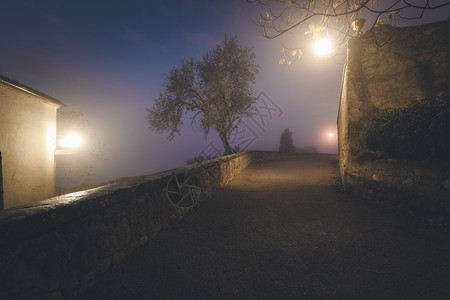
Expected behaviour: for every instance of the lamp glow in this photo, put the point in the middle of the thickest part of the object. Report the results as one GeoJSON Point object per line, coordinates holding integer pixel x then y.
{"type": "Point", "coordinates": [322, 47]}
{"type": "Point", "coordinates": [71, 140]}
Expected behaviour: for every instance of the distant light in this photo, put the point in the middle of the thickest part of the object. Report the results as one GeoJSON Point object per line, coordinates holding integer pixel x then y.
{"type": "Point", "coordinates": [330, 134]}
{"type": "Point", "coordinates": [322, 47]}
{"type": "Point", "coordinates": [71, 140]}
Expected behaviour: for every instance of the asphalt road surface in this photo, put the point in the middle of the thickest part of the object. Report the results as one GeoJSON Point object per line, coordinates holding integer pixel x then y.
{"type": "Point", "coordinates": [283, 230]}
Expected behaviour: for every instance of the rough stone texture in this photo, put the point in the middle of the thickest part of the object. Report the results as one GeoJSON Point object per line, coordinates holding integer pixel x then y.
{"type": "Point", "coordinates": [281, 230]}
{"type": "Point", "coordinates": [50, 249]}
{"type": "Point", "coordinates": [389, 68]}
{"type": "Point", "coordinates": [422, 184]}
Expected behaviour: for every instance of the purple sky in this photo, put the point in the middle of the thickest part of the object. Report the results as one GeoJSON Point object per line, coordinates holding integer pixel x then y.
{"type": "Point", "coordinates": [107, 58]}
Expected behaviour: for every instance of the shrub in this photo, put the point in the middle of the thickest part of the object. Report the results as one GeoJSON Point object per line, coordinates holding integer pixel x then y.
{"type": "Point", "coordinates": [286, 141]}
{"type": "Point", "coordinates": [419, 131]}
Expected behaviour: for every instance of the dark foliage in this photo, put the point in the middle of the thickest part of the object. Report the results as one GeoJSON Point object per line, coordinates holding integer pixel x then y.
{"type": "Point", "coordinates": [420, 131]}
{"type": "Point", "coordinates": [286, 141]}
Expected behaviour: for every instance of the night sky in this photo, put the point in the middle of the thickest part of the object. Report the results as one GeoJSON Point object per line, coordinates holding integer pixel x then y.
{"type": "Point", "coordinates": [108, 59]}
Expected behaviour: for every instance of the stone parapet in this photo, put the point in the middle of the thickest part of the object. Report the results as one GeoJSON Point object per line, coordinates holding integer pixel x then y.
{"type": "Point", "coordinates": [54, 247]}
{"type": "Point", "coordinates": [51, 249]}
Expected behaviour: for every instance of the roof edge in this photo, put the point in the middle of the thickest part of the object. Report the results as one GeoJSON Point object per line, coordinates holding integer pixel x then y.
{"type": "Point", "coordinates": [23, 88]}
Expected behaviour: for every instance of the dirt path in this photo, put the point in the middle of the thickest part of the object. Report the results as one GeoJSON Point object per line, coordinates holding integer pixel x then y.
{"type": "Point", "coordinates": [281, 229]}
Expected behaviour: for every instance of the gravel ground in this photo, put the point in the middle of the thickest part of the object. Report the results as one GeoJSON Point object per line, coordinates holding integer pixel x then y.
{"type": "Point", "coordinates": [283, 230]}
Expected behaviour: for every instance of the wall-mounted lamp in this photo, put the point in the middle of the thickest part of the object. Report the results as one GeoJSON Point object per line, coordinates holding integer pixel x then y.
{"type": "Point", "coordinates": [68, 143]}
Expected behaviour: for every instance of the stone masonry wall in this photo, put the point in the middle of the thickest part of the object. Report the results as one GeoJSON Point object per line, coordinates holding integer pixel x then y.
{"type": "Point", "coordinates": [390, 68]}
{"type": "Point", "coordinates": [53, 248]}
{"type": "Point", "coordinates": [424, 185]}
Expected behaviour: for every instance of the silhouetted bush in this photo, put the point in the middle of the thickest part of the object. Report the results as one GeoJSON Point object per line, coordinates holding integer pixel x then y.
{"type": "Point", "coordinates": [420, 131]}
{"type": "Point", "coordinates": [286, 141]}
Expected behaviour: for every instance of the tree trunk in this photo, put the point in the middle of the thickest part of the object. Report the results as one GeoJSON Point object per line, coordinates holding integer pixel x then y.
{"type": "Point", "coordinates": [224, 140]}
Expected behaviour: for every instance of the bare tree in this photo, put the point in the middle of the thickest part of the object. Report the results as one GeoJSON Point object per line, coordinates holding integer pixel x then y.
{"type": "Point", "coordinates": [215, 90]}
{"type": "Point", "coordinates": [339, 18]}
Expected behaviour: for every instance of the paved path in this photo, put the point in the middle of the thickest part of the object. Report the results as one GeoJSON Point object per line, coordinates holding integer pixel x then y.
{"type": "Point", "coordinates": [282, 229]}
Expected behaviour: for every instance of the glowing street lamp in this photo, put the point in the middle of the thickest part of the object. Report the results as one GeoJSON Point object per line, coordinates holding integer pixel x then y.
{"type": "Point", "coordinates": [68, 142]}
{"type": "Point", "coordinates": [322, 47]}
{"type": "Point", "coordinates": [72, 140]}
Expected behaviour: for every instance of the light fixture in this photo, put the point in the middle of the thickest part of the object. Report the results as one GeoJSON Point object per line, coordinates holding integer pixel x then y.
{"type": "Point", "coordinates": [72, 140]}
{"type": "Point", "coordinates": [322, 47]}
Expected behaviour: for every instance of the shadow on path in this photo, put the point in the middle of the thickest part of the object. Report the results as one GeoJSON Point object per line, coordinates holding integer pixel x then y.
{"type": "Point", "coordinates": [281, 229]}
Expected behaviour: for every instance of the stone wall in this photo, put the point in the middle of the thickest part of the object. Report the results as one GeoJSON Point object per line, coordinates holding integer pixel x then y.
{"type": "Point", "coordinates": [424, 185]}
{"type": "Point", "coordinates": [57, 246]}
{"type": "Point", "coordinates": [390, 68]}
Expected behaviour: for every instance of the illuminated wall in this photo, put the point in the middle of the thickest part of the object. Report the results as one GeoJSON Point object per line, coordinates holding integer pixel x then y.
{"type": "Point", "coordinates": [391, 68]}
{"type": "Point", "coordinates": [388, 69]}
{"type": "Point", "coordinates": [27, 143]}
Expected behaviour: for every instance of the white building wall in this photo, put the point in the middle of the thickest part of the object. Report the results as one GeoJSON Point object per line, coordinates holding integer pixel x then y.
{"type": "Point", "coordinates": [27, 143]}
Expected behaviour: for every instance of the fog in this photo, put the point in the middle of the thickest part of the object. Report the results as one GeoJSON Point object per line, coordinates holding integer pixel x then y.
{"type": "Point", "coordinates": [108, 60]}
